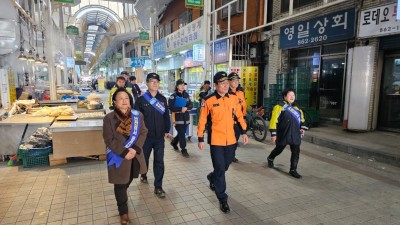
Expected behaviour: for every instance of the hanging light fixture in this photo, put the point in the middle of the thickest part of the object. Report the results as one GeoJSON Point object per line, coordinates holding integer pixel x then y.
{"type": "Point", "coordinates": [21, 56]}
{"type": "Point", "coordinates": [44, 61]}
{"type": "Point", "coordinates": [30, 55]}
{"type": "Point", "coordinates": [37, 59]}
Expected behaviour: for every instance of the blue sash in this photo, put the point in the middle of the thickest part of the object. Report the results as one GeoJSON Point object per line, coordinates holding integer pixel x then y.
{"type": "Point", "coordinates": [154, 102]}
{"type": "Point", "coordinates": [114, 158]}
{"type": "Point", "coordinates": [295, 113]}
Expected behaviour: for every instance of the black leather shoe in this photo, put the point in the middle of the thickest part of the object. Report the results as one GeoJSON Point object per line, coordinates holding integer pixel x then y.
{"type": "Point", "coordinates": [185, 153]}
{"type": "Point", "coordinates": [235, 160]}
{"type": "Point", "coordinates": [224, 207]}
{"type": "Point", "coordinates": [270, 163]}
{"type": "Point", "coordinates": [175, 146]}
{"type": "Point", "coordinates": [143, 179]}
{"type": "Point", "coordinates": [295, 174]}
{"type": "Point", "coordinates": [209, 178]}
{"type": "Point", "coordinates": [159, 192]}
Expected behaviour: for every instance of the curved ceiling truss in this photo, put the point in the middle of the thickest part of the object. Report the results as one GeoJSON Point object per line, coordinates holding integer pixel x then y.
{"type": "Point", "coordinates": [98, 19]}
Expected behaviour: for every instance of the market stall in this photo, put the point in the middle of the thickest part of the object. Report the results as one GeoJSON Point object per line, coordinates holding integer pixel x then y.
{"type": "Point", "coordinates": [12, 128]}
{"type": "Point", "coordinates": [79, 136]}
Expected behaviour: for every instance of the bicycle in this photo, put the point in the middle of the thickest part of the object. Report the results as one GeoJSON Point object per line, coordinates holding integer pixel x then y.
{"type": "Point", "coordinates": [256, 123]}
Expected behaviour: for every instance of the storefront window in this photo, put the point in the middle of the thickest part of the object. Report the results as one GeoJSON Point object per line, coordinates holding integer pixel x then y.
{"type": "Point", "coordinates": [389, 115]}
{"type": "Point", "coordinates": [318, 79]}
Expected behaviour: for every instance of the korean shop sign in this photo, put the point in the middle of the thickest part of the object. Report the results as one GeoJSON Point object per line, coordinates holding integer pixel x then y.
{"type": "Point", "coordinates": [72, 30]}
{"type": "Point", "coordinates": [221, 51]}
{"type": "Point", "coordinates": [193, 3]}
{"type": "Point", "coordinates": [64, 1]}
{"type": "Point", "coordinates": [159, 49]}
{"type": "Point", "coordinates": [331, 27]}
{"type": "Point", "coordinates": [138, 62]}
{"type": "Point", "coordinates": [184, 38]}
{"type": "Point", "coordinates": [379, 21]}
{"type": "Point", "coordinates": [143, 35]}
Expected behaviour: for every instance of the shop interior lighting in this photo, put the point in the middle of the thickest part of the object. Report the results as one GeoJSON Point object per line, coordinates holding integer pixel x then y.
{"type": "Point", "coordinates": [30, 54]}
{"type": "Point", "coordinates": [21, 56]}
{"type": "Point", "coordinates": [168, 56]}
{"type": "Point", "coordinates": [44, 61]}
{"type": "Point", "coordinates": [183, 52]}
{"type": "Point", "coordinates": [37, 59]}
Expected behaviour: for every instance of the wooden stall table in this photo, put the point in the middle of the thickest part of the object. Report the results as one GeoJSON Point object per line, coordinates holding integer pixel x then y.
{"type": "Point", "coordinates": [12, 128]}
{"type": "Point", "coordinates": [81, 138]}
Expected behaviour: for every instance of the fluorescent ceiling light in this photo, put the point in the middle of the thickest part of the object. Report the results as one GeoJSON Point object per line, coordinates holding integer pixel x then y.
{"type": "Point", "coordinates": [168, 56]}
{"type": "Point", "coordinates": [90, 53]}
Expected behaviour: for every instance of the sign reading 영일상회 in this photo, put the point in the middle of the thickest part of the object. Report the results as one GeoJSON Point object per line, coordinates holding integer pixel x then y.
{"type": "Point", "coordinates": [335, 26]}
{"type": "Point", "coordinates": [379, 21]}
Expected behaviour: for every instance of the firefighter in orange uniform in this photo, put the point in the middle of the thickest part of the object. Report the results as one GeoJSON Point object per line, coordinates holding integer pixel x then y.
{"type": "Point", "coordinates": [235, 89]}
{"type": "Point", "coordinates": [221, 109]}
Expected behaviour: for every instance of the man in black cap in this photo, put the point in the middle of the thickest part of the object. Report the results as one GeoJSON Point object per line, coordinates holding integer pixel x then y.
{"type": "Point", "coordinates": [135, 87]}
{"type": "Point", "coordinates": [179, 103]}
{"type": "Point", "coordinates": [235, 89]}
{"type": "Point", "coordinates": [205, 90]}
{"type": "Point", "coordinates": [153, 105]}
{"type": "Point", "coordinates": [125, 74]}
{"type": "Point", "coordinates": [220, 108]}
{"type": "Point", "coordinates": [120, 83]}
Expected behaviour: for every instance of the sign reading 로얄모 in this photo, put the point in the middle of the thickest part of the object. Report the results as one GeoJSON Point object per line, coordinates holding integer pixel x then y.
{"type": "Point", "coordinates": [335, 26]}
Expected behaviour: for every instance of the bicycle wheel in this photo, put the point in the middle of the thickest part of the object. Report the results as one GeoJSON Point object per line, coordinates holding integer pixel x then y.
{"type": "Point", "coordinates": [259, 128]}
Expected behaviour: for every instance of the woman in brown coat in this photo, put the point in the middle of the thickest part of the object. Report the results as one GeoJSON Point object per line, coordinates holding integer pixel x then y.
{"type": "Point", "coordinates": [125, 158]}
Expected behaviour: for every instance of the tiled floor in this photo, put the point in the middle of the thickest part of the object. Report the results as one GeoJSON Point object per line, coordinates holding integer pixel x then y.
{"type": "Point", "coordinates": [78, 193]}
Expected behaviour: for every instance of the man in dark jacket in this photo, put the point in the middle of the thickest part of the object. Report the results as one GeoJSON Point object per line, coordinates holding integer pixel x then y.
{"type": "Point", "coordinates": [153, 105]}
{"type": "Point", "coordinates": [135, 87]}
{"type": "Point", "coordinates": [180, 105]}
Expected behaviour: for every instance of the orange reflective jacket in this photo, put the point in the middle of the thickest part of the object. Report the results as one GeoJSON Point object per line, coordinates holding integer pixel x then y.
{"type": "Point", "coordinates": [220, 112]}
{"type": "Point", "coordinates": [242, 100]}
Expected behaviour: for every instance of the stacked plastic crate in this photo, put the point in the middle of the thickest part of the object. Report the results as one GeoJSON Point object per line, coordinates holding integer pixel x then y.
{"type": "Point", "coordinates": [299, 79]}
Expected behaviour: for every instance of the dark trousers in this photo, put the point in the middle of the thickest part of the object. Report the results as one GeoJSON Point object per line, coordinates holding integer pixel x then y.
{"type": "Point", "coordinates": [121, 194]}
{"type": "Point", "coordinates": [181, 136]}
{"type": "Point", "coordinates": [238, 131]}
{"type": "Point", "coordinates": [294, 158]}
{"type": "Point", "coordinates": [158, 164]}
{"type": "Point", "coordinates": [221, 157]}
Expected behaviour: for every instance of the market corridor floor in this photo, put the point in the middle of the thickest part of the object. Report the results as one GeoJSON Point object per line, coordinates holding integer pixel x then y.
{"type": "Point", "coordinates": [331, 192]}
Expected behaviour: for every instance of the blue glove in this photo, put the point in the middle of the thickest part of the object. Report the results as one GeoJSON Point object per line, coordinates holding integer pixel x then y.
{"type": "Point", "coordinates": [113, 158]}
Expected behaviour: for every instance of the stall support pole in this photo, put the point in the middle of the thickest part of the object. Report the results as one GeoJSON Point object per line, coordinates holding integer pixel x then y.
{"type": "Point", "coordinates": [49, 50]}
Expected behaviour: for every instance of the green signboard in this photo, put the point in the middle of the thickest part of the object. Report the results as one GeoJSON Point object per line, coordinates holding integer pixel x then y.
{"type": "Point", "coordinates": [118, 55]}
{"type": "Point", "coordinates": [65, 1]}
{"type": "Point", "coordinates": [143, 35]}
{"type": "Point", "coordinates": [72, 30]}
{"type": "Point", "coordinates": [194, 3]}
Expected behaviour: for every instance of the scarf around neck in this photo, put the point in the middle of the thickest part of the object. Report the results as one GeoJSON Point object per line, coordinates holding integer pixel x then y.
{"type": "Point", "coordinates": [126, 122]}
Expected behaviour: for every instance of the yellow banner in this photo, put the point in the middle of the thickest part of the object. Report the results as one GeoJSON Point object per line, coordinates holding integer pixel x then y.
{"type": "Point", "coordinates": [11, 86]}
{"type": "Point", "coordinates": [249, 82]}
{"type": "Point", "coordinates": [101, 84]}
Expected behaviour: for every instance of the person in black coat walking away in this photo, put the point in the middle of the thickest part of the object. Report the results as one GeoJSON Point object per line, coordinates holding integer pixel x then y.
{"type": "Point", "coordinates": [287, 128]}
{"type": "Point", "coordinates": [154, 107]}
{"type": "Point", "coordinates": [180, 104]}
